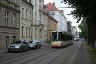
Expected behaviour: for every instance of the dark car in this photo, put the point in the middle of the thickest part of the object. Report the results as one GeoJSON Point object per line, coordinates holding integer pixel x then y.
{"type": "Point", "coordinates": [19, 45]}
{"type": "Point", "coordinates": [35, 44]}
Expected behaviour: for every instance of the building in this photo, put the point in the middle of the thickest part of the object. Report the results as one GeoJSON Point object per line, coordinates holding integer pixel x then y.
{"type": "Point", "coordinates": [9, 22]}
{"type": "Point", "coordinates": [69, 27]}
{"type": "Point", "coordinates": [26, 19]}
{"type": "Point", "coordinates": [58, 15]}
{"type": "Point", "coordinates": [51, 25]}
{"type": "Point", "coordinates": [45, 20]}
{"type": "Point", "coordinates": [74, 31]}
{"type": "Point", "coordinates": [38, 20]}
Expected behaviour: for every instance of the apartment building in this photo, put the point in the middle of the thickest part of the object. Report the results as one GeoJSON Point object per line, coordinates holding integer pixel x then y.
{"type": "Point", "coordinates": [9, 22]}
{"type": "Point", "coordinates": [38, 20]}
{"type": "Point", "coordinates": [51, 25]}
{"type": "Point", "coordinates": [58, 15]}
{"type": "Point", "coordinates": [26, 19]}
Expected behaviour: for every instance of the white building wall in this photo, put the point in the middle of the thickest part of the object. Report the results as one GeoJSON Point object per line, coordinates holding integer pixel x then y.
{"type": "Point", "coordinates": [62, 21]}
{"type": "Point", "coordinates": [25, 21]}
{"type": "Point", "coordinates": [37, 14]}
{"type": "Point", "coordinates": [45, 18]}
{"type": "Point", "coordinates": [35, 34]}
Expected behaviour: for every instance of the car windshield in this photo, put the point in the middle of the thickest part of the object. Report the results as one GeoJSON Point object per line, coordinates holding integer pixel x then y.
{"type": "Point", "coordinates": [30, 41]}
{"type": "Point", "coordinates": [17, 42]}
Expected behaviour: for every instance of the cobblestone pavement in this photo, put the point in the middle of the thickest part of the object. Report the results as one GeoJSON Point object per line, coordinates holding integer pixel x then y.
{"type": "Point", "coordinates": [45, 55]}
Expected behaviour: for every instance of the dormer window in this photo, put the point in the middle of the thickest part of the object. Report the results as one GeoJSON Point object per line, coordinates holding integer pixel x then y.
{"type": "Point", "coordinates": [29, 1]}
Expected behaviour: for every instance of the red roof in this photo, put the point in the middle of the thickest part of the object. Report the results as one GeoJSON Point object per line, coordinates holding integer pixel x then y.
{"type": "Point", "coordinates": [51, 7]}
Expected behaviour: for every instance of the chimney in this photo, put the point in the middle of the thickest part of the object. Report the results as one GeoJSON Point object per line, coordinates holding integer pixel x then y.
{"type": "Point", "coordinates": [54, 3]}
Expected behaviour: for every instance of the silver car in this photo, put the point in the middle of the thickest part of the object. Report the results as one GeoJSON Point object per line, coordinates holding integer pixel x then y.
{"type": "Point", "coordinates": [19, 45]}
{"type": "Point", "coordinates": [35, 44]}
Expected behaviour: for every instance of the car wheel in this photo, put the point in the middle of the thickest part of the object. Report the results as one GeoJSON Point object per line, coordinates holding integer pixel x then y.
{"type": "Point", "coordinates": [21, 50]}
{"type": "Point", "coordinates": [29, 48]}
{"type": "Point", "coordinates": [36, 47]}
{"type": "Point", "coordinates": [39, 46]}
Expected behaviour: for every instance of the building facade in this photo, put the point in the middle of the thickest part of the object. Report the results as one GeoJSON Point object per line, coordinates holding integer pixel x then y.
{"type": "Point", "coordinates": [26, 19]}
{"type": "Point", "coordinates": [52, 26]}
{"type": "Point", "coordinates": [58, 15]}
{"type": "Point", "coordinates": [74, 31]}
{"type": "Point", "coordinates": [38, 27]}
{"type": "Point", "coordinates": [45, 20]}
{"type": "Point", "coordinates": [9, 22]}
{"type": "Point", "coordinates": [69, 26]}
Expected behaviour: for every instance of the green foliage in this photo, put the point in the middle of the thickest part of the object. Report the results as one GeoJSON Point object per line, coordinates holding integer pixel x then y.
{"type": "Point", "coordinates": [92, 54]}
{"type": "Point", "coordinates": [66, 37]}
{"type": "Point", "coordinates": [84, 8]}
{"type": "Point", "coordinates": [84, 29]}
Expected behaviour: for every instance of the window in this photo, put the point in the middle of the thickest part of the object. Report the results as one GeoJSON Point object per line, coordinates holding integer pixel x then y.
{"type": "Point", "coordinates": [35, 16]}
{"type": "Point", "coordinates": [30, 16]}
{"type": "Point", "coordinates": [22, 12]}
{"type": "Point", "coordinates": [29, 1]}
{"type": "Point", "coordinates": [40, 33]}
{"type": "Point", "coordinates": [26, 32]}
{"type": "Point", "coordinates": [29, 32]}
{"type": "Point", "coordinates": [40, 18]}
{"type": "Point", "coordinates": [6, 18]}
{"type": "Point", "coordinates": [13, 20]}
{"type": "Point", "coordinates": [35, 32]}
{"type": "Point", "coordinates": [14, 37]}
{"type": "Point", "coordinates": [14, 1]}
{"type": "Point", "coordinates": [45, 20]}
{"type": "Point", "coordinates": [40, 3]}
{"type": "Point", "coordinates": [26, 14]}
{"type": "Point", "coordinates": [35, 3]}
{"type": "Point", "coordinates": [22, 31]}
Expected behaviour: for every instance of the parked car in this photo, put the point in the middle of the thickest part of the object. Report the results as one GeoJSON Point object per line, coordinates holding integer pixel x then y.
{"type": "Point", "coordinates": [35, 44]}
{"type": "Point", "coordinates": [76, 38]}
{"type": "Point", "coordinates": [19, 45]}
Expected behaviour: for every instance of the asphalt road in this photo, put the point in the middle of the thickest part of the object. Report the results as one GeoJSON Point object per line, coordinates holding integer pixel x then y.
{"type": "Point", "coordinates": [45, 55]}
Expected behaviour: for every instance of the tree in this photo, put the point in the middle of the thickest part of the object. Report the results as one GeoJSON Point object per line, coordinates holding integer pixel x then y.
{"type": "Point", "coordinates": [86, 9]}
{"type": "Point", "coordinates": [84, 29]}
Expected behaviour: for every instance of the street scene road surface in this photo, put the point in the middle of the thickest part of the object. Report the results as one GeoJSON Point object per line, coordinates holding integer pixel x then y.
{"type": "Point", "coordinates": [45, 55]}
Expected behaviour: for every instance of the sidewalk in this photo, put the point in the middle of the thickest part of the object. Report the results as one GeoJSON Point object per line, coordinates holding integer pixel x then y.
{"type": "Point", "coordinates": [82, 57]}
{"type": "Point", "coordinates": [2, 52]}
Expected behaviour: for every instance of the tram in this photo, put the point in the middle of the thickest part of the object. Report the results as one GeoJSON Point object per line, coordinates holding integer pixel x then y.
{"type": "Point", "coordinates": [61, 39]}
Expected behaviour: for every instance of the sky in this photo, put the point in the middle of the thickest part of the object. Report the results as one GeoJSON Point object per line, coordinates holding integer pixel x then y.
{"type": "Point", "coordinates": [66, 11]}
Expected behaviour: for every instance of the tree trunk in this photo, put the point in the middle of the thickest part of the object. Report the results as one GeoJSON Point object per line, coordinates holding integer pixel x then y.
{"type": "Point", "coordinates": [93, 31]}
{"type": "Point", "coordinates": [89, 31]}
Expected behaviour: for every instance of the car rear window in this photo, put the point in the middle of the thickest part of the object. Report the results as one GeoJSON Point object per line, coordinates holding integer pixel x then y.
{"type": "Point", "coordinates": [30, 41]}
{"type": "Point", "coordinates": [17, 42]}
